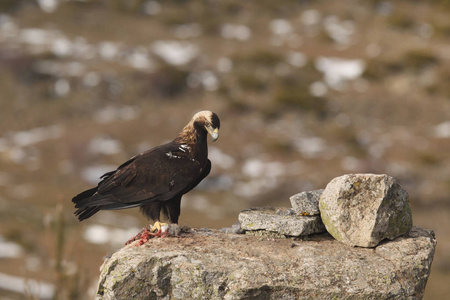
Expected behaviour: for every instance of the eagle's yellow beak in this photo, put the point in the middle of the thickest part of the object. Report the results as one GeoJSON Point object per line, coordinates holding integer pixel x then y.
{"type": "Point", "coordinates": [214, 132]}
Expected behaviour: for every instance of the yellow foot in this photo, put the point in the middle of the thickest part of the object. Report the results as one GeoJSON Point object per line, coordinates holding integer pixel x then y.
{"type": "Point", "coordinates": [158, 226]}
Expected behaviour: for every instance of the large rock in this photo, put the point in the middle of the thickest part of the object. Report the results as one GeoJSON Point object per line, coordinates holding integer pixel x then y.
{"type": "Point", "coordinates": [282, 221]}
{"type": "Point", "coordinates": [363, 209]}
{"type": "Point", "coordinates": [216, 265]}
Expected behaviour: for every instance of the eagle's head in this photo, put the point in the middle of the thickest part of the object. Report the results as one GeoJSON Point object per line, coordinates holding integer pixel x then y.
{"type": "Point", "coordinates": [208, 121]}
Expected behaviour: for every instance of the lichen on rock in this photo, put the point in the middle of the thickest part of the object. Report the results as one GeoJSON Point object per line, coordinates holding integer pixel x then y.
{"type": "Point", "coordinates": [282, 221]}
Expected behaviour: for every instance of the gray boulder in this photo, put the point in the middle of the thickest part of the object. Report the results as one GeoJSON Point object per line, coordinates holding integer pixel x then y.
{"type": "Point", "coordinates": [363, 209]}
{"type": "Point", "coordinates": [215, 265]}
{"type": "Point", "coordinates": [306, 203]}
{"type": "Point", "coordinates": [282, 221]}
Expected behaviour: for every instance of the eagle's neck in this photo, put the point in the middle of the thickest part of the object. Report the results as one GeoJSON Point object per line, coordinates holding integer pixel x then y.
{"type": "Point", "coordinates": [194, 137]}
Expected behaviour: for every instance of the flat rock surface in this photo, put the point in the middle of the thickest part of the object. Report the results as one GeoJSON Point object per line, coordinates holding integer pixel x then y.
{"type": "Point", "coordinates": [216, 265]}
{"type": "Point", "coordinates": [280, 220]}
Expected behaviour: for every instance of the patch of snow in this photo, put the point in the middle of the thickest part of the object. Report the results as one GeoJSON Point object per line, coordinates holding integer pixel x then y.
{"type": "Point", "coordinates": [311, 17]}
{"type": "Point", "coordinates": [97, 234]}
{"type": "Point", "coordinates": [339, 31]}
{"type": "Point", "coordinates": [61, 87]}
{"type": "Point", "coordinates": [39, 289]}
{"type": "Point", "coordinates": [206, 79]}
{"type": "Point", "coordinates": [297, 59]}
{"type": "Point", "coordinates": [257, 168]}
{"type": "Point", "coordinates": [442, 130]}
{"type": "Point", "coordinates": [92, 174]}
{"type": "Point", "coordinates": [82, 49]}
{"type": "Point", "coordinates": [10, 249]}
{"type": "Point", "coordinates": [318, 89]}
{"type": "Point", "coordinates": [310, 146]}
{"type": "Point", "coordinates": [62, 47]}
{"type": "Point", "coordinates": [174, 52]}
{"type": "Point", "coordinates": [209, 81]}
{"type": "Point", "coordinates": [35, 135]}
{"type": "Point", "coordinates": [253, 168]}
{"type": "Point", "coordinates": [59, 69]}
{"type": "Point", "coordinates": [8, 28]}
{"type": "Point", "coordinates": [108, 50]}
{"type": "Point", "coordinates": [17, 155]}
{"type": "Point", "coordinates": [112, 113]}
{"type": "Point", "coordinates": [105, 145]}
{"type": "Point", "coordinates": [280, 27]}
{"type": "Point", "coordinates": [219, 158]}
{"type": "Point", "coordinates": [254, 187]}
{"type": "Point", "coordinates": [100, 235]}
{"type": "Point", "coordinates": [48, 6]}
{"type": "Point", "coordinates": [139, 59]}
{"type": "Point", "coordinates": [337, 71]}
{"type": "Point", "coordinates": [236, 32]}
{"type": "Point", "coordinates": [37, 36]}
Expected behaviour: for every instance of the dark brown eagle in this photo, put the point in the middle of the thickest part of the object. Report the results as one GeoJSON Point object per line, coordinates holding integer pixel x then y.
{"type": "Point", "coordinates": [156, 180]}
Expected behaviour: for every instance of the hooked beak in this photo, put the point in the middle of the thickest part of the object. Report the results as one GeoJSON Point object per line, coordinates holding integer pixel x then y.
{"type": "Point", "coordinates": [214, 132]}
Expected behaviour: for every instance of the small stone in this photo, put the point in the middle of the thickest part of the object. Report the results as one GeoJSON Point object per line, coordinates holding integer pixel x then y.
{"type": "Point", "coordinates": [280, 220]}
{"type": "Point", "coordinates": [363, 209]}
{"type": "Point", "coordinates": [306, 203]}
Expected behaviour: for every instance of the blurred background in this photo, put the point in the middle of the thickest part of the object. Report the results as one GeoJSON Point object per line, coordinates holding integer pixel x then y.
{"type": "Point", "coordinates": [306, 91]}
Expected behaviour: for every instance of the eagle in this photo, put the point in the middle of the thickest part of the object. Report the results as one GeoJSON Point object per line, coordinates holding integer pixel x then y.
{"type": "Point", "coordinates": [156, 179]}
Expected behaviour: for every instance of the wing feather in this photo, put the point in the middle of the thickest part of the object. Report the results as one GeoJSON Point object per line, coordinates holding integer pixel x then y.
{"type": "Point", "coordinates": [159, 174]}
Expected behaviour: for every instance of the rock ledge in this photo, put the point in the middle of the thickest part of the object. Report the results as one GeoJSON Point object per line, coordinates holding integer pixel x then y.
{"type": "Point", "coordinates": [207, 264]}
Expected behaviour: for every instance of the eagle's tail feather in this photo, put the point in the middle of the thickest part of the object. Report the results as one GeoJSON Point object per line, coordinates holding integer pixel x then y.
{"type": "Point", "coordinates": [81, 202]}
